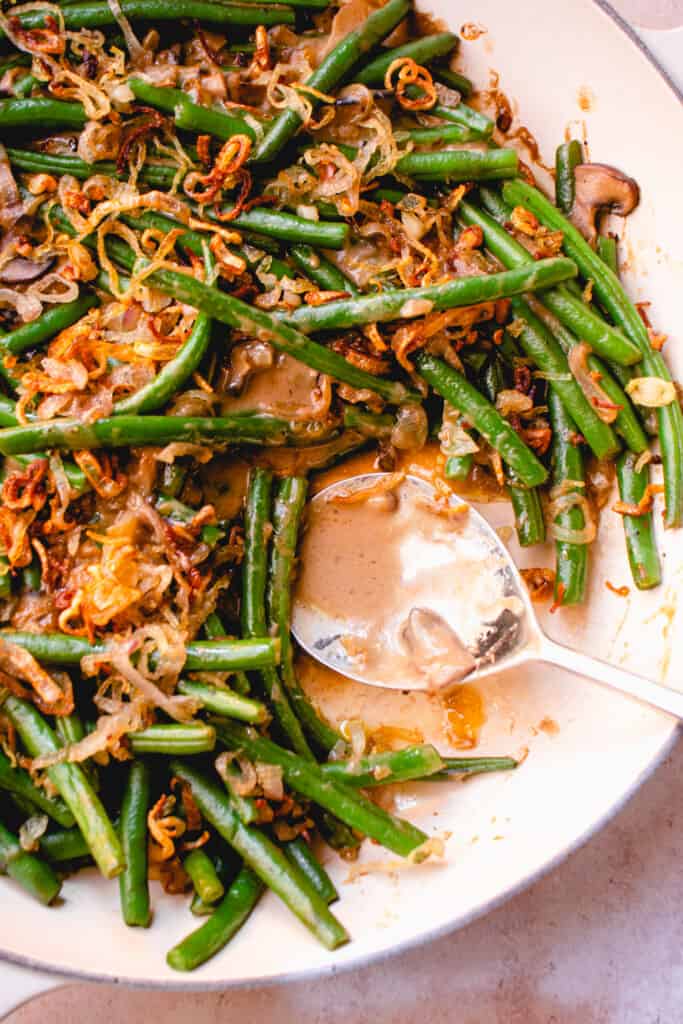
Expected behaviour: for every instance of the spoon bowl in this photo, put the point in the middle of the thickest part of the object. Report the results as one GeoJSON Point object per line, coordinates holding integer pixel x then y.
{"type": "Point", "coordinates": [445, 604]}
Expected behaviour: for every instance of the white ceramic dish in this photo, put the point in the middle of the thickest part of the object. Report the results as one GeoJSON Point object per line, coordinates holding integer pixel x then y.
{"type": "Point", "coordinates": [508, 829]}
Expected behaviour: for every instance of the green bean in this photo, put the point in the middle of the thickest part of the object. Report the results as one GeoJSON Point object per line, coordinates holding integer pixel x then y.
{"type": "Point", "coordinates": [460, 165]}
{"type": "Point", "coordinates": [16, 780]}
{"type": "Point", "coordinates": [308, 779]}
{"type": "Point", "coordinates": [288, 509]}
{"type": "Point", "coordinates": [215, 630]}
{"type": "Point", "coordinates": [36, 112]}
{"type": "Point", "coordinates": [608, 290]}
{"type": "Point", "coordinates": [239, 315]}
{"type": "Point", "coordinates": [392, 766]}
{"type": "Point", "coordinates": [180, 738]}
{"type": "Point", "coordinates": [135, 431]}
{"type": "Point", "coordinates": [438, 136]}
{"type": "Point", "coordinates": [225, 921]}
{"type": "Point", "coordinates": [244, 806]}
{"type": "Point", "coordinates": [69, 729]}
{"type": "Point", "coordinates": [422, 51]}
{"type": "Point", "coordinates": [5, 578]}
{"type": "Point", "coordinates": [17, 60]}
{"type": "Point", "coordinates": [569, 309]}
{"type": "Point", "coordinates": [202, 655]}
{"type": "Point", "coordinates": [156, 174]}
{"type": "Point", "coordinates": [64, 844]}
{"type": "Point", "coordinates": [199, 908]}
{"type": "Point", "coordinates": [73, 786]}
{"type": "Point", "coordinates": [254, 571]}
{"type": "Point", "coordinates": [529, 521]}
{"type": "Point", "coordinates": [321, 271]}
{"type": "Point", "coordinates": [458, 467]}
{"type": "Point", "coordinates": [640, 542]}
{"type": "Point", "coordinates": [571, 558]}
{"type": "Point", "coordinates": [133, 881]}
{"type": "Point", "coordinates": [29, 871]}
{"type": "Point", "coordinates": [607, 251]}
{"type": "Point", "coordinates": [223, 701]}
{"type": "Point", "coordinates": [205, 880]}
{"type": "Point", "coordinates": [332, 69]}
{"type": "Point", "coordinates": [98, 14]}
{"type": "Point", "coordinates": [493, 203]}
{"type": "Point", "coordinates": [289, 228]}
{"type": "Point", "coordinates": [265, 859]}
{"type": "Point", "coordinates": [457, 390]}
{"type": "Point", "coordinates": [24, 86]}
{"type": "Point", "coordinates": [478, 765]}
{"type": "Point", "coordinates": [173, 477]}
{"type": "Point", "coordinates": [626, 424]}
{"type": "Point", "coordinates": [52, 321]}
{"type": "Point", "coordinates": [159, 391]}
{"type": "Point", "coordinates": [298, 852]}
{"type": "Point", "coordinates": [540, 345]}
{"type": "Point", "coordinates": [412, 302]}
{"type": "Point", "coordinates": [371, 424]}
{"type": "Point", "coordinates": [478, 123]}
{"type": "Point", "coordinates": [567, 157]}
{"type": "Point", "coordinates": [454, 80]}
{"type": "Point", "coordinates": [32, 575]}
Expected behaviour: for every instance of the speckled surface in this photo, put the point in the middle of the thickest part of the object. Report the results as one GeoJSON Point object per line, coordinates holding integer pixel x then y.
{"type": "Point", "coordinates": [598, 941]}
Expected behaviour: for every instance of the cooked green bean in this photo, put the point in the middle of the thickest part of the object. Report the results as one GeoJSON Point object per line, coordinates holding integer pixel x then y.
{"type": "Point", "coordinates": [567, 157]}
{"type": "Point", "coordinates": [29, 871]}
{"type": "Point", "coordinates": [571, 561]}
{"type": "Point", "coordinates": [37, 111]}
{"type": "Point", "coordinates": [97, 13]}
{"type": "Point", "coordinates": [640, 542]}
{"type": "Point", "coordinates": [14, 779]}
{"type": "Point", "coordinates": [287, 512]}
{"type": "Point", "coordinates": [308, 779]}
{"type": "Point", "coordinates": [73, 786]}
{"type": "Point", "coordinates": [133, 430]}
{"type": "Point", "coordinates": [133, 882]}
{"type": "Point", "coordinates": [225, 921]}
{"type": "Point", "coordinates": [223, 701]}
{"type": "Point", "coordinates": [569, 309]}
{"type": "Point", "coordinates": [205, 880]}
{"type": "Point", "coordinates": [454, 80]}
{"type": "Point", "coordinates": [459, 165]}
{"type": "Point", "coordinates": [64, 844]}
{"type": "Point", "coordinates": [331, 70]}
{"type": "Point", "coordinates": [422, 51]}
{"type": "Point", "coordinates": [180, 738]}
{"type": "Point", "coordinates": [53, 320]}
{"type": "Point", "coordinates": [626, 423]}
{"type": "Point", "coordinates": [413, 302]}
{"type": "Point", "coordinates": [202, 656]}
{"type": "Point", "coordinates": [321, 271]}
{"type": "Point", "coordinates": [608, 290]}
{"type": "Point", "coordinates": [298, 852]}
{"type": "Point", "coordinates": [546, 353]}
{"type": "Point", "coordinates": [265, 859]}
{"type": "Point", "coordinates": [457, 390]}
{"type": "Point", "coordinates": [391, 766]}
{"type": "Point", "coordinates": [529, 521]}
{"type": "Point", "coordinates": [254, 572]}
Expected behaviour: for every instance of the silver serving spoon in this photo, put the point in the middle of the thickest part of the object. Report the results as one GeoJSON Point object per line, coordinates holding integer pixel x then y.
{"type": "Point", "coordinates": [485, 640]}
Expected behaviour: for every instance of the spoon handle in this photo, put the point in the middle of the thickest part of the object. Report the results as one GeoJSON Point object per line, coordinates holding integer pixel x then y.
{"type": "Point", "coordinates": [646, 690]}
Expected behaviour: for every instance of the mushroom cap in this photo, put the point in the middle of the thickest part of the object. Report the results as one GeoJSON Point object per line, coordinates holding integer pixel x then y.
{"type": "Point", "coordinates": [23, 271]}
{"type": "Point", "coordinates": [600, 187]}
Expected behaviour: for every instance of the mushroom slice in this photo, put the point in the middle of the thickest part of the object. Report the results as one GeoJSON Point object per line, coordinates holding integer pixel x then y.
{"type": "Point", "coordinates": [599, 187]}
{"type": "Point", "coordinates": [23, 271]}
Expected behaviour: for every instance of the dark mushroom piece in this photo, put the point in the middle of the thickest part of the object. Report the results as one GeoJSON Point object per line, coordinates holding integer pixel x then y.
{"type": "Point", "coordinates": [599, 187]}
{"type": "Point", "coordinates": [23, 271]}
{"type": "Point", "coordinates": [11, 206]}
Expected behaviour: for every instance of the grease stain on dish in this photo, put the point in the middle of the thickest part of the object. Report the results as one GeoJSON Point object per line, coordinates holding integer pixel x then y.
{"type": "Point", "coordinates": [586, 99]}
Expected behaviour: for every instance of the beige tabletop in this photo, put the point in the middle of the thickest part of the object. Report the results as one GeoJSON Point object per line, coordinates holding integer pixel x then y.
{"type": "Point", "coordinates": [598, 941]}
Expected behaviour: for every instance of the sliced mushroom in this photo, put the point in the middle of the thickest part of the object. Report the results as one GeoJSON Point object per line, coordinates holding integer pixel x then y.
{"type": "Point", "coordinates": [23, 271]}
{"type": "Point", "coordinates": [599, 187]}
{"type": "Point", "coordinates": [11, 205]}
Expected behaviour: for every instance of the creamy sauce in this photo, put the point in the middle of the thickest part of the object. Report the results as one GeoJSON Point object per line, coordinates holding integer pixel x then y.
{"type": "Point", "coordinates": [287, 389]}
{"type": "Point", "coordinates": [396, 586]}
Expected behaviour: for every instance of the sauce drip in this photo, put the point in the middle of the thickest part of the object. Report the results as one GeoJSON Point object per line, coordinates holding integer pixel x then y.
{"type": "Point", "coordinates": [465, 715]}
